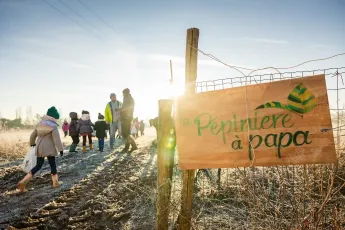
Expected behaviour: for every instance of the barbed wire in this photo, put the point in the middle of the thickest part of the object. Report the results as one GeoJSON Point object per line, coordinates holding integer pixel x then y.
{"type": "Point", "coordinates": [272, 77]}
{"type": "Point", "coordinates": [258, 69]}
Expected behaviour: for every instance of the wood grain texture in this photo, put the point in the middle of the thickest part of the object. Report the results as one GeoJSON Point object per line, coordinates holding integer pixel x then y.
{"type": "Point", "coordinates": [165, 164]}
{"type": "Point", "coordinates": [185, 215]}
{"type": "Point", "coordinates": [207, 149]}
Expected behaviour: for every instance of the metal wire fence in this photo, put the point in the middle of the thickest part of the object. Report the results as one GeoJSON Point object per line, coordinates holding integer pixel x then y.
{"type": "Point", "coordinates": [281, 197]}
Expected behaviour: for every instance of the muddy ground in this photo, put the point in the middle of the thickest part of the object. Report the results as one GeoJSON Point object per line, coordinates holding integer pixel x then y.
{"type": "Point", "coordinates": [106, 190]}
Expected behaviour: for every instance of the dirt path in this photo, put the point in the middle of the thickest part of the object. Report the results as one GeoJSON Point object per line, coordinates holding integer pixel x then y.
{"type": "Point", "coordinates": [100, 191]}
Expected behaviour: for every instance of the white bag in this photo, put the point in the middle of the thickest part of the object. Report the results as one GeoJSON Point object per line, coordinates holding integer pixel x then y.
{"type": "Point", "coordinates": [30, 160]}
{"type": "Point", "coordinates": [134, 130]}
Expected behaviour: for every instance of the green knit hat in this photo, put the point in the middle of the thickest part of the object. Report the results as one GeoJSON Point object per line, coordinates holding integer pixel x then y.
{"type": "Point", "coordinates": [52, 112]}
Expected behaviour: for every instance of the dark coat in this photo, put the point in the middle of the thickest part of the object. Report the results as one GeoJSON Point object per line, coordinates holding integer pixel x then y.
{"type": "Point", "coordinates": [85, 125]}
{"type": "Point", "coordinates": [73, 126]}
{"type": "Point", "coordinates": [142, 126]}
{"type": "Point", "coordinates": [100, 128]}
{"type": "Point", "coordinates": [154, 123]}
{"type": "Point", "coordinates": [127, 110]}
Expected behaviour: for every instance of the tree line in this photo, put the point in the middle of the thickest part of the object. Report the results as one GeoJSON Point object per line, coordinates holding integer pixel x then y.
{"type": "Point", "coordinates": [19, 123]}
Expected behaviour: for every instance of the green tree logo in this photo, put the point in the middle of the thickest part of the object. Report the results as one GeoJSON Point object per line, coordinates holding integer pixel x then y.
{"type": "Point", "coordinates": [300, 101]}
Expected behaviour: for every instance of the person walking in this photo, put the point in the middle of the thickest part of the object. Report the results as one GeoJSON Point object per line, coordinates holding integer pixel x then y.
{"type": "Point", "coordinates": [46, 139]}
{"type": "Point", "coordinates": [65, 127]}
{"type": "Point", "coordinates": [101, 131]}
{"type": "Point", "coordinates": [154, 123]}
{"type": "Point", "coordinates": [112, 117]}
{"type": "Point", "coordinates": [126, 116]}
{"type": "Point", "coordinates": [137, 126]}
{"type": "Point", "coordinates": [134, 130]}
{"type": "Point", "coordinates": [142, 128]}
{"type": "Point", "coordinates": [85, 129]}
{"type": "Point", "coordinates": [73, 131]}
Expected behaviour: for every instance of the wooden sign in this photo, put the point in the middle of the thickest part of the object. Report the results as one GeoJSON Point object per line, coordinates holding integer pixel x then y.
{"type": "Point", "coordinates": [279, 123]}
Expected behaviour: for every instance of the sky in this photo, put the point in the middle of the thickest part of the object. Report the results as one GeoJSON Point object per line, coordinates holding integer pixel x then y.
{"type": "Point", "coordinates": [74, 60]}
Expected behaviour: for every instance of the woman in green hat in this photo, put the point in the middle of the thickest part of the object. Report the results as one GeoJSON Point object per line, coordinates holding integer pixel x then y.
{"type": "Point", "coordinates": [47, 140]}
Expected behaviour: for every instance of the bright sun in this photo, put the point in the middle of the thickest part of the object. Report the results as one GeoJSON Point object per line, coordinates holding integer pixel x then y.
{"type": "Point", "coordinates": [176, 90]}
{"type": "Point", "coordinates": [147, 104]}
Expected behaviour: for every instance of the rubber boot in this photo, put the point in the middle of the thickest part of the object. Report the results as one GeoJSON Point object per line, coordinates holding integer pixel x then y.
{"type": "Point", "coordinates": [133, 144]}
{"type": "Point", "coordinates": [75, 148]}
{"type": "Point", "coordinates": [125, 150]}
{"type": "Point", "coordinates": [22, 184]}
{"type": "Point", "coordinates": [55, 180]}
{"type": "Point", "coordinates": [91, 147]}
{"type": "Point", "coordinates": [84, 149]}
{"type": "Point", "coordinates": [72, 148]}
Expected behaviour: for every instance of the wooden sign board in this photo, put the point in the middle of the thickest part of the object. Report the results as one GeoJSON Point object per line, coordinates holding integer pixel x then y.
{"type": "Point", "coordinates": [279, 123]}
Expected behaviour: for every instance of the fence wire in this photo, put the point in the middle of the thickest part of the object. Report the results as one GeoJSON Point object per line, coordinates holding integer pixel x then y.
{"type": "Point", "coordinates": [280, 197]}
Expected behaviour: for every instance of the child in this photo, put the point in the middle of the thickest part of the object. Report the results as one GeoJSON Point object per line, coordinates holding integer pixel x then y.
{"type": "Point", "coordinates": [137, 125]}
{"type": "Point", "coordinates": [73, 131]}
{"type": "Point", "coordinates": [134, 130]}
{"type": "Point", "coordinates": [101, 128]}
{"type": "Point", "coordinates": [48, 143]}
{"type": "Point", "coordinates": [85, 129]}
{"type": "Point", "coordinates": [65, 128]}
{"type": "Point", "coordinates": [142, 128]}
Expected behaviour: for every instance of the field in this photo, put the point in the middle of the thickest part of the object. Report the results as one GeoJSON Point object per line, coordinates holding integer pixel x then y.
{"type": "Point", "coordinates": [100, 190]}
{"type": "Point", "coordinates": [111, 190]}
{"type": "Point", "coordinates": [15, 144]}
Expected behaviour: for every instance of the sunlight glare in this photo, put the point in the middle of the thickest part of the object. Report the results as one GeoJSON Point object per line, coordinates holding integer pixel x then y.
{"type": "Point", "coordinates": [176, 89]}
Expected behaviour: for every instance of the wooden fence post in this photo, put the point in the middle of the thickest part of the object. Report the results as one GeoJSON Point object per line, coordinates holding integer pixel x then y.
{"type": "Point", "coordinates": [165, 163]}
{"type": "Point", "coordinates": [187, 192]}
{"type": "Point", "coordinates": [171, 74]}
